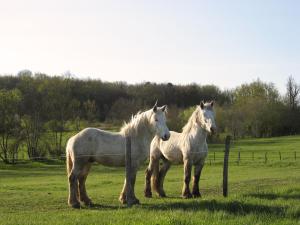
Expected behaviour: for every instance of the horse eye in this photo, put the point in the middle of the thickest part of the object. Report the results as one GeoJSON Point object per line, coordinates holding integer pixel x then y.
{"type": "Point", "coordinates": [156, 120]}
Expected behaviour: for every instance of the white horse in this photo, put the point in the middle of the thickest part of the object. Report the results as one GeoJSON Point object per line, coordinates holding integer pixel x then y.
{"type": "Point", "coordinates": [188, 147]}
{"type": "Point", "coordinates": [107, 148]}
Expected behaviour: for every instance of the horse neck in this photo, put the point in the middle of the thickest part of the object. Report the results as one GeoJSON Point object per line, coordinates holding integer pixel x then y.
{"type": "Point", "coordinates": [143, 132]}
{"type": "Point", "coordinates": [197, 133]}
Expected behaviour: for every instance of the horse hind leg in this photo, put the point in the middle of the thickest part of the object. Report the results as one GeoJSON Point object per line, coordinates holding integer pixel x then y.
{"type": "Point", "coordinates": [161, 177]}
{"type": "Point", "coordinates": [73, 188]}
{"type": "Point", "coordinates": [82, 189]}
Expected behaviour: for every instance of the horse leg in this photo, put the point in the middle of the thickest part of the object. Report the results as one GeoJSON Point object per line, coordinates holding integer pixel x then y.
{"type": "Point", "coordinates": [82, 190]}
{"type": "Point", "coordinates": [186, 193]}
{"type": "Point", "coordinates": [162, 174]}
{"type": "Point", "coordinates": [123, 196]}
{"type": "Point", "coordinates": [197, 173]}
{"type": "Point", "coordinates": [153, 166]}
{"type": "Point", "coordinates": [132, 193]}
{"type": "Point", "coordinates": [73, 187]}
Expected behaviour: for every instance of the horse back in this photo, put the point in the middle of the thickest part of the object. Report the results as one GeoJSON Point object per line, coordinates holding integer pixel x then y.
{"type": "Point", "coordinates": [93, 141]}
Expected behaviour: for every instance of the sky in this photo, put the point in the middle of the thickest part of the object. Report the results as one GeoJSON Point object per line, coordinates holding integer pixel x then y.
{"type": "Point", "coordinates": [225, 43]}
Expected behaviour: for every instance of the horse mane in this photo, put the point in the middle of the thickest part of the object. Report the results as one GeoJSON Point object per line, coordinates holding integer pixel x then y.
{"type": "Point", "coordinates": [141, 119]}
{"type": "Point", "coordinates": [193, 119]}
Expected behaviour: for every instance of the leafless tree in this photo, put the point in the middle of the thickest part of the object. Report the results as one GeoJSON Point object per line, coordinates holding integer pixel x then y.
{"type": "Point", "coordinates": [293, 92]}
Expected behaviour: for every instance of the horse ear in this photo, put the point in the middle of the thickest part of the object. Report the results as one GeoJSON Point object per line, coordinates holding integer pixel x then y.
{"type": "Point", "coordinates": [212, 103]}
{"type": "Point", "coordinates": [202, 105]}
{"type": "Point", "coordinates": [164, 108]}
{"type": "Point", "coordinates": [155, 107]}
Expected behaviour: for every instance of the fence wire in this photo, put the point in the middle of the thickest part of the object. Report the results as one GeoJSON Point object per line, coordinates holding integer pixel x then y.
{"type": "Point", "coordinates": [212, 157]}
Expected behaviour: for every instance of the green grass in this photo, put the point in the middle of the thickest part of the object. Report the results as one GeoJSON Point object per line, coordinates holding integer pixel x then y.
{"type": "Point", "coordinates": [259, 193]}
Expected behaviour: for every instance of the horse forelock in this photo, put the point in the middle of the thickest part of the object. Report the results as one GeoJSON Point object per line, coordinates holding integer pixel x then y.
{"type": "Point", "coordinates": [137, 121]}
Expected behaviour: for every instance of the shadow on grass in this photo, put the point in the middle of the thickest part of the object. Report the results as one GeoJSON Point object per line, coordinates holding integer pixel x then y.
{"type": "Point", "coordinates": [29, 174]}
{"type": "Point", "coordinates": [97, 206]}
{"type": "Point", "coordinates": [232, 207]}
{"type": "Point", "coordinates": [273, 196]}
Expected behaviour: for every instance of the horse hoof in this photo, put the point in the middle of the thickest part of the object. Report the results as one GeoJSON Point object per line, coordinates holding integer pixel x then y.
{"type": "Point", "coordinates": [135, 201]}
{"type": "Point", "coordinates": [197, 195]}
{"type": "Point", "coordinates": [162, 195]}
{"type": "Point", "coordinates": [122, 200]}
{"type": "Point", "coordinates": [131, 202]}
{"type": "Point", "coordinates": [148, 194]}
{"type": "Point", "coordinates": [76, 205]}
{"type": "Point", "coordinates": [186, 196]}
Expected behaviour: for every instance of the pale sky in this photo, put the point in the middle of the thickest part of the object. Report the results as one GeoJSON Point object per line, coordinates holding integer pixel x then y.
{"type": "Point", "coordinates": [225, 43]}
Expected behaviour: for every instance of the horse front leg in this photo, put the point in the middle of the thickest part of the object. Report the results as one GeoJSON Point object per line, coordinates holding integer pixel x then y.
{"type": "Point", "coordinates": [186, 193]}
{"type": "Point", "coordinates": [197, 173]}
{"type": "Point", "coordinates": [152, 176]}
{"type": "Point", "coordinates": [122, 197]}
{"type": "Point", "coordinates": [131, 198]}
{"type": "Point", "coordinates": [148, 174]}
{"type": "Point", "coordinates": [162, 174]}
{"type": "Point", "coordinates": [127, 194]}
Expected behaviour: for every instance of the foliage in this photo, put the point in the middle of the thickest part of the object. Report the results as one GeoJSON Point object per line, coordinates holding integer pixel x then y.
{"type": "Point", "coordinates": [10, 124]}
{"type": "Point", "coordinates": [59, 104]}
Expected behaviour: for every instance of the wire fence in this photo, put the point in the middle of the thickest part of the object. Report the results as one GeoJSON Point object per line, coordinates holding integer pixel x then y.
{"type": "Point", "coordinates": [239, 157]}
{"type": "Point", "coordinates": [214, 157]}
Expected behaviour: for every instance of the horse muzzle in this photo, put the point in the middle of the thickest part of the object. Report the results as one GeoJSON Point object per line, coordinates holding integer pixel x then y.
{"type": "Point", "coordinates": [166, 137]}
{"type": "Point", "coordinates": [213, 130]}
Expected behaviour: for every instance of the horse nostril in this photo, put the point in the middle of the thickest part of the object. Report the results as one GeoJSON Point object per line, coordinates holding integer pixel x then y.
{"type": "Point", "coordinates": [212, 130]}
{"type": "Point", "coordinates": [165, 137]}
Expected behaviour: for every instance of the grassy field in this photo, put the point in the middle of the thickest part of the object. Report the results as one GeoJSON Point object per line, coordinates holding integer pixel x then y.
{"type": "Point", "coordinates": [259, 192]}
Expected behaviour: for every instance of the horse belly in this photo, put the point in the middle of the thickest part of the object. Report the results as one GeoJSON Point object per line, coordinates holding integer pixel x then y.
{"type": "Point", "coordinates": [111, 160]}
{"type": "Point", "coordinates": [174, 155]}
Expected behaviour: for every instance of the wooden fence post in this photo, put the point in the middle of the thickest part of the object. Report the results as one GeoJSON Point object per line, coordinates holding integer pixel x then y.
{"type": "Point", "coordinates": [225, 169]}
{"type": "Point", "coordinates": [266, 157]}
{"type": "Point", "coordinates": [239, 157]}
{"type": "Point", "coordinates": [280, 156]}
{"type": "Point", "coordinates": [128, 171]}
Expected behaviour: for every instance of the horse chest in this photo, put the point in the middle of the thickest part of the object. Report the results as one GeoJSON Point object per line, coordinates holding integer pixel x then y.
{"type": "Point", "coordinates": [199, 148]}
{"type": "Point", "coordinates": [140, 151]}
{"type": "Point", "coordinates": [198, 153]}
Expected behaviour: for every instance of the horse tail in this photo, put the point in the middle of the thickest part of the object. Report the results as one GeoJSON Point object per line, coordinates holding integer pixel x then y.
{"type": "Point", "coordinates": [69, 163]}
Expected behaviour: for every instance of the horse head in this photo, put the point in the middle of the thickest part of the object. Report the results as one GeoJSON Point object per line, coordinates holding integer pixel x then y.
{"type": "Point", "coordinates": [158, 122]}
{"type": "Point", "coordinates": [208, 117]}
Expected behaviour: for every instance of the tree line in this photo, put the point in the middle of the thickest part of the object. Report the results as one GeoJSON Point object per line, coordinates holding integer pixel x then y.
{"type": "Point", "coordinates": [37, 109]}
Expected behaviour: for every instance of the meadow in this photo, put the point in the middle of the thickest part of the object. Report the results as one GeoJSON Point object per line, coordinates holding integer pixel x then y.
{"type": "Point", "coordinates": [260, 191]}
